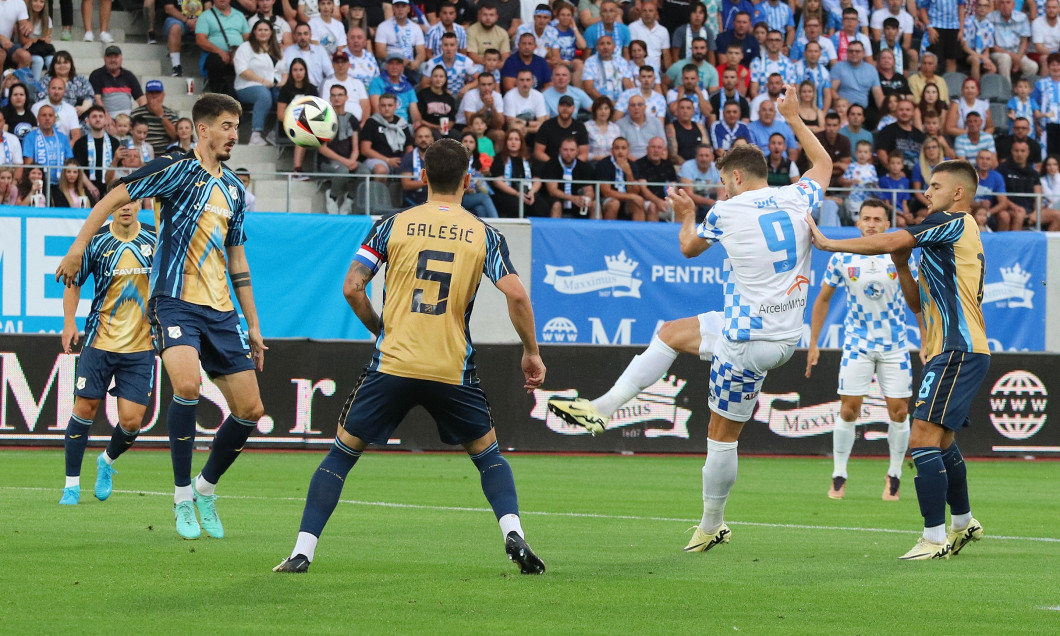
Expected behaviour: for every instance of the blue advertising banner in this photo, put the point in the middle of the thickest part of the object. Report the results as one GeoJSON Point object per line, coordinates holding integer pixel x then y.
{"type": "Point", "coordinates": [617, 282]}
{"type": "Point", "coordinates": [298, 262]}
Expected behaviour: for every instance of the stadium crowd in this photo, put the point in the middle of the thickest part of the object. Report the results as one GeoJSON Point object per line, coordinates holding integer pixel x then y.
{"type": "Point", "coordinates": [649, 91]}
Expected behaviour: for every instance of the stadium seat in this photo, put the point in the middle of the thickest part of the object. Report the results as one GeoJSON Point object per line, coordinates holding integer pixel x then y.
{"type": "Point", "coordinates": [372, 197]}
{"type": "Point", "coordinates": [1000, 114]}
{"type": "Point", "coordinates": [954, 80]}
{"type": "Point", "coordinates": [995, 88]}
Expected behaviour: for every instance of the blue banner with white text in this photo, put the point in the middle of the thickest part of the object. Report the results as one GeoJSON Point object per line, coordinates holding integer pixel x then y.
{"type": "Point", "coordinates": [617, 282]}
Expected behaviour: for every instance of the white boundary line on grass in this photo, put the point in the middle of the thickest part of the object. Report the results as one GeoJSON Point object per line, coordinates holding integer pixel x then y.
{"type": "Point", "coordinates": [580, 515]}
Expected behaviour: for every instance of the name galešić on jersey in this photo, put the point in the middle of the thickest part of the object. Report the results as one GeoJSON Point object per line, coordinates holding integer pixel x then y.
{"type": "Point", "coordinates": [447, 232]}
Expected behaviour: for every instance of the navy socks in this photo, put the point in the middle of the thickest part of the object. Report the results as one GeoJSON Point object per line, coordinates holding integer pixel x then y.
{"type": "Point", "coordinates": [76, 442]}
{"type": "Point", "coordinates": [227, 445]}
{"type": "Point", "coordinates": [181, 422]}
{"type": "Point", "coordinates": [498, 483]}
{"type": "Point", "coordinates": [932, 484]}
{"type": "Point", "coordinates": [326, 487]}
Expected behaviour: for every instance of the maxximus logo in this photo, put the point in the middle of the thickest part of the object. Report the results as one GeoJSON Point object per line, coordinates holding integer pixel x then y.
{"type": "Point", "coordinates": [617, 278]}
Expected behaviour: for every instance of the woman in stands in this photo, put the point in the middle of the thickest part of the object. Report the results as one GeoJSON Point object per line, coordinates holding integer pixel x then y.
{"type": "Point", "coordinates": [185, 136]}
{"type": "Point", "coordinates": [31, 188]}
{"type": "Point", "coordinates": [513, 164]}
{"type": "Point", "coordinates": [930, 156]}
{"type": "Point", "coordinates": [436, 102]}
{"type": "Point", "coordinates": [17, 115]}
{"type": "Point", "coordinates": [968, 102]}
{"type": "Point", "coordinates": [79, 91]}
{"type": "Point", "coordinates": [476, 198]}
{"type": "Point", "coordinates": [602, 131]}
{"type": "Point", "coordinates": [259, 74]}
{"type": "Point", "coordinates": [808, 110]}
{"type": "Point", "coordinates": [1051, 182]}
{"type": "Point", "coordinates": [70, 192]}
{"type": "Point", "coordinates": [8, 189]}
{"type": "Point", "coordinates": [297, 84]}
{"type": "Point", "coordinates": [930, 100]}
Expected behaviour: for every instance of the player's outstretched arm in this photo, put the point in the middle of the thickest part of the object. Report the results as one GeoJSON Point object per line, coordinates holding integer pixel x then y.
{"type": "Point", "coordinates": [66, 273]}
{"type": "Point", "coordinates": [820, 312]}
{"type": "Point", "coordinates": [354, 288]}
{"type": "Point", "coordinates": [692, 244]}
{"type": "Point", "coordinates": [887, 243]}
{"type": "Point", "coordinates": [521, 313]}
{"type": "Point", "coordinates": [71, 296]}
{"type": "Point", "coordinates": [821, 162]}
{"type": "Point", "coordinates": [239, 271]}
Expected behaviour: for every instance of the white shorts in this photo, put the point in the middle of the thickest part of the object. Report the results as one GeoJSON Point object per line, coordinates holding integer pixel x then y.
{"type": "Point", "coordinates": [737, 372]}
{"type": "Point", "coordinates": [710, 326]}
{"type": "Point", "coordinates": [891, 368]}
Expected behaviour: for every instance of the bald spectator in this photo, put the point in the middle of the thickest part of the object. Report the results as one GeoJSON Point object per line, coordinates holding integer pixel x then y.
{"type": "Point", "coordinates": [656, 169]}
{"type": "Point", "coordinates": [639, 129]}
{"type": "Point", "coordinates": [46, 146]}
{"type": "Point", "coordinates": [161, 119]}
{"type": "Point", "coordinates": [66, 120]}
{"type": "Point", "coordinates": [117, 89]}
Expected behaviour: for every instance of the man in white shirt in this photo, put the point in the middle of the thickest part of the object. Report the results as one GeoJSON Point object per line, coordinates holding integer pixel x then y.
{"type": "Point", "coordinates": [774, 87]}
{"type": "Point", "coordinates": [14, 24]}
{"type": "Point", "coordinates": [10, 149]}
{"type": "Point", "coordinates": [894, 9]}
{"type": "Point", "coordinates": [654, 102]}
{"type": "Point", "coordinates": [525, 103]}
{"type": "Point", "coordinates": [1045, 30]}
{"type": "Point", "coordinates": [357, 102]}
{"type": "Point", "coordinates": [606, 73]}
{"type": "Point", "coordinates": [66, 120]}
{"type": "Point", "coordinates": [363, 64]}
{"type": "Point", "coordinates": [485, 101]}
{"type": "Point", "coordinates": [655, 35]}
{"type": "Point", "coordinates": [400, 36]}
{"type": "Point", "coordinates": [316, 58]}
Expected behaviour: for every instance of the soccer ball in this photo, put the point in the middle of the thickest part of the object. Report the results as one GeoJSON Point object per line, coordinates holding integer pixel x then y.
{"type": "Point", "coordinates": [310, 122]}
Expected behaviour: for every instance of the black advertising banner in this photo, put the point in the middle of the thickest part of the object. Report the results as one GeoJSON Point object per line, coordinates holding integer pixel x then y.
{"type": "Point", "coordinates": [306, 382]}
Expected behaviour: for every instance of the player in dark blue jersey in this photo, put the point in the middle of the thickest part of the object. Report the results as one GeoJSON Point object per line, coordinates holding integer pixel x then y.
{"type": "Point", "coordinates": [199, 210]}
{"type": "Point", "coordinates": [117, 344]}
{"type": "Point", "coordinates": [435, 255]}
{"type": "Point", "coordinates": [950, 295]}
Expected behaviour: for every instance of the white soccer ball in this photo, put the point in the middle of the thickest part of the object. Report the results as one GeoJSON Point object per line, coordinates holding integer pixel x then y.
{"type": "Point", "coordinates": [310, 122]}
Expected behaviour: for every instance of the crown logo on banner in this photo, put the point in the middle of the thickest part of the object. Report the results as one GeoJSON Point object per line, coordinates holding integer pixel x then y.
{"type": "Point", "coordinates": [620, 265]}
{"type": "Point", "coordinates": [1015, 275]}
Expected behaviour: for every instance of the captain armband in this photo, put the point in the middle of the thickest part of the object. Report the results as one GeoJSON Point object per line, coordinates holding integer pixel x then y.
{"type": "Point", "coordinates": [241, 279]}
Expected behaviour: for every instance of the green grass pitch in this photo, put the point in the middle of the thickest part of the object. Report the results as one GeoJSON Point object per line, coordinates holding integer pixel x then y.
{"type": "Point", "coordinates": [413, 548]}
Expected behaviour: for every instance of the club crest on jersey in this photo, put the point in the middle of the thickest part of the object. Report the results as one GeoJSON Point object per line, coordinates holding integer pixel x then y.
{"type": "Point", "coordinates": [145, 251]}
{"type": "Point", "coordinates": [174, 332]}
{"type": "Point", "coordinates": [892, 272]}
{"type": "Point", "coordinates": [853, 273]}
{"type": "Point", "coordinates": [232, 190]}
{"type": "Point", "coordinates": [81, 384]}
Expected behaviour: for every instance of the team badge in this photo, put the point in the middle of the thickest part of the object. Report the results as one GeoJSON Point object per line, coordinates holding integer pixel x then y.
{"type": "Point", "coordinates": [145, 250]}
{"type": "Point", "coordinates": [174, 332]}
{"type": "Point", "coordinates": [81, 384]}
{"type": "Point", "coordinates": [232, 190]}
{"type": "Point", "coordinates": [853, 273]}
{"type": "Point", "coordinates": [892, 272]}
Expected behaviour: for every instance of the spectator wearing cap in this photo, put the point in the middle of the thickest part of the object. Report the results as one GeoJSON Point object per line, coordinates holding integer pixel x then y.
{"type": "Point", "coordinates": [552, 133]}
{"type": "Point", "coordinates": [561, 86]}
{"type": "Point", "coordinates": [161, 119]}
{"type": "Point", "coordinates": [401, 37]}
{"type": "Point", "coordinates": [14, 25]}
{"type": "Point", "coordinates": [317, 60]}
{"type": "Point", "coordinates": [357, 102]}
{"type": "Point", "coordinates": [459, 69]}
{"type": "Point", "coordinates": [117, 89]}
{"type": "Point", "coordinates": [46, 146]}
{"type": "Point", "coordinates": [394, 82]}
{"type": "Point", "coordinates": [66, 120]}
{"type": "Point", "coordinates": [218, 33]}
{"type": "Point", "coordinates": [546, 36]}
{"type": "Point", "coordinates": [97, 150]}
{"type": "Point", "coordinates": [259, 70]}
{"type": "Point", "coordinates": [526, 60]}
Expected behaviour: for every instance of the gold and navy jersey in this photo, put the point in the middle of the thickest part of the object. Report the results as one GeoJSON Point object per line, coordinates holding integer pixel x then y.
{"type": "Point", "coordinates": [435, 258]}
{"type": "Point", "coordinates": [121, 269]}
{"type": "Point", "coordinates": [952, 267]}
{"type": "Point", "coordinates": [198, 216]}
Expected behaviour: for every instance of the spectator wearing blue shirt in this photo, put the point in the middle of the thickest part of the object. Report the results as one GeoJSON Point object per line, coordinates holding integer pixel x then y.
{"type": "Point", "coordinates": [609, 24]}
{"type": "Point", "coordinates": [725, 131]}
{"type": "Point", "coordinates": [561, 86]}
{"type": "Point", "coordinates": [992, 190]}
{"type": "Point", "coordinates": [778, 17]}
{"type": "Point", "coordinates": [768, 125]}
{"type": "Point", "coordinates": [729, 9]}
{"type": "Point", "coordinates": [895, 179]}
{"type": "Point", "coordinates": [854, 79]}
{"type": "Point", "coordinates": [742, 36]}
{"type": "Point", "coordinates": [945, 19]}
{"type": "Point", "coordinates": [393, 81]}
{"type": "Point", "coordinates": [526, 60]}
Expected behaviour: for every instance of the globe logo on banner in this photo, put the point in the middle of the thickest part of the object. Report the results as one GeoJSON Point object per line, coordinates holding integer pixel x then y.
{"type": "Point", "coordinates": [1017, 405]}
{"type": "Point", "coordinates": [617, 278]}
{"type": "Point", "coordinates": [559, 329]}
{"type": "Point", "coordinates": [1012, 290]}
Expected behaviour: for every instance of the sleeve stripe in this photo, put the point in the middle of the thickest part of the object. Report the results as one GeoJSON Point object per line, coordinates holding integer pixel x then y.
{"type": "Point", "coordinates": [378, 256]}
{"type": "Point", "coordinates": [368, 258]}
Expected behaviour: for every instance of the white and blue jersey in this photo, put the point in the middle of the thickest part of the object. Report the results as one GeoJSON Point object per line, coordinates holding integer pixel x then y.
{"type": "Point", "coordinates": [460, 73]}
{"type": "Point", "coordinates": [875, 319]}
{"type": "Point", "coordinates": [942, 14]}
{"type": "Point", "coordinates": [767, 239]}
{"type": "Point", "coordinates": [433, 38]}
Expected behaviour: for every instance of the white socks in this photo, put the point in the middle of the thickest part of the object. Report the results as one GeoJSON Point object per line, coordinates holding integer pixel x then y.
{"type": "Point", "coordinates": [936, 534]}
{"type": "Point", "coordinates": [72, 481]}
{"type": "Point", "coordinates": [182, 493]}
{"type": "Point", "coordinates": [204, 487]}
{"type": "Point", "coordinates": [719, 474]}
{"type": "Point", "coordinates": [510, 523]}
{"type": "Point", "coordinates": [898, 441]}
{"type": "Point", "coordinates": [306, 544]}
{"type": "Point", "coordinates": [842, 443]}
{"type": "Point", "coordinates": [643, 371]}
{"type": "Point", "coordinates": [960, 522]}
{"type": "Point", "coordinates": [106, 458]}
{"type": "Point", "coordinates": [174, 58]}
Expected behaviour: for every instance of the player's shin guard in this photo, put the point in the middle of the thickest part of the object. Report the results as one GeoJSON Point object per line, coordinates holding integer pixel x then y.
{"type": "Point", "coordinates": [719, 474]}
{"type": "Point", "coordinates": [842, 444]}
{"type": "Point", "coordinates": [957, 474]}
{"type": "Point", "coordinates": [326, 487]}
{"type": "Point", "coordinates": [643, 371]}
{"type": "Point", "coordinates": [76, 442]}
{"type": "Point", "coordinates": [181, 423]}
{"type": "Point", "coordinates": [120, 441]}
{"type": "Point", "coordinates": [932, 485]}
{"type": "Point", "coordinates": [898, 443]}
{"type": "Point", "coordinates": [498, 483]}
{"type": "Point", "coordinates": [227, 444]}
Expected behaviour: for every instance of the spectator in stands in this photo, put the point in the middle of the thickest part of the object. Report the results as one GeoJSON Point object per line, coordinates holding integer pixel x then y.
{"type": "Point", "coordinates": [778, 17]}
{"type": "Point", "coordinates": [363, 64]}
{"type": "Point", "coordinates": [725, 131]}
{"type": "Point", "coordinates": [918, 81]}
{"type": "Point", "coordinates": [809, 112]}
{"type": "Point", "coordinates": [488, 103]}
{"type": "Point", "coordinates": [485, 34]}
{"type": "Point", "coordinates": [66, 120]}
{"type": "Point", "coordinates": [767, 124]}
{"type": "Point", "coordinates": [570, 40]}
{"type": "Point", "coordinates": [973, 140]}
{"type": "Point", "coordinates": [399, 37]}
{"type": "Point", "coordinates": [854, 130]}
{"type": "Point", "coordinates": [903, 23]}
{"type": "Point", "coordinates": [646, 83]}
{"type": "Point", "coordinates": [185, 136]}
{"type": "Point", "coordinates": [314, 56]}
{"type": "Point", "coordinates": [1045, 31]}
{"type": "Point", "coordinates": [658, 171]}
{"type": "Point", "coordinates": [436, 103]}
{"type": "Point", "coordinates": [280, 27]}
{"type": "Point", "coordinates": [930, 102]}
{"type": "Point", "coordinates": [476, 196]}
{"type": "Point", "coordinates": [492, 65]}
{"type": "Point", "coordinates": [357, 102]}
{"type": "Point", "coordinates": [620, 188]}
{"type": "Point", "coordinates": [701, 174]}
{"type": "Point", "coordinates": [518, 182]}
{"type": "Point", "coordinates": [31, 189]}
{"type": "Point", "coordinates": [259, 73]}
{"type": "Point", "coordinates": [991, 190]}
{"type": "Point", "coordinates": [944, 22]}
{"type": "Point", "coordinates": [1022, 105]}
{"type": "Point", "coordinates": [385, 138]}
{"type": "Point", "coordinates": [369, 18]}
{"type": "Point", "coordinates": [161, 119]}
{"type": "Point", "coordinates": [589, 12]}
{"type": "Point", "coordinates": [297, 84]}
{"type": "Point", "coordinates": [639, 129]}
{"type": "Point", "coordinates": [561, 85]}
{"type": "Point", "coordinates": [117, 89]}
{"type": "Point", "coordinates": [895, 180]}
{"type": "Point", "coordinates": [930, 156]}
{"type": "Point", "coordinates": [1021, 178]}
{"type": "Point", "coordinates": [781, 171]}
{"type": "Point", "coordinates": [655, 36]}
{"type": "Point", "coordinates": [774, 61]}
{"type": "Point", "coordinates": [37, 40]}
{"type": "Point", "coordinates": [684, 134]}
{"type": "Point", "coordinates": [1021, 131]}
{"type": "Point", "coordinates": [525, 104]}
{"type": "Point", "coordinates": [850, 33]}
{"type": "Point", "coordinates": [774, 87]}
{"type": "Point", "coordinates": [8, 187]}
{"type": "Point", "coordinates": [680, 46]}
{"type": "Point", "coordinates": [394, 82]}
{"type": "Point", "coordinates": [1050, 179]}
{"type": "Point", "coordinates": [689, 88]}
{"type": "Point", "coordinates": [812, 69]}
{"type": "Point", "coordinates": [837, 145]}
{"type": "Point", "coordinates": [740, 35]}
{"type": "Point", "coordinates": [553, 131]}
{"type": "Point", "coordinates": [526, 59]}
{"type": "Point", "coordinates": [729, 9]}
{"type": "Point", "coordinates": [79, 92]}
{"type": "Point", "coordinates": [826, 50]}
{"type": "Point", "coordinates": [1012, 33]}
{"type": "Point", "coordinates": [508, 16]}
{"type": "Point", "coordinates": [546, 37]}
{"type": "Point", "coordinates": [218, 32]}
{"type": "Point", "coordinates": [412, 182]}
{"type": "Point", "coordinates": [99, 151]}
{"type": "Point", "coordinates": [606, 73]}
{"type": "Point", "coordinates": [567, 198]}
{"type": "Point", "coordinates": [904, 58]}
{"type": "Point", "coordinates": [104, 21]}
{"type": "Point", "coordinates": [892, 82]}
{"type": "Point", "coordinates": [601, 130]}
{"type": "Point", "coordinates": [1047, 94]}
{"type": "Point", "coordinates": [730, 93]}
{"type": "Point", "coordinates": [445, 24]}
{"type": "Point", "coordinates": [733, 56]}
{"type": "Point", "coordinates": [968, 102]}
{"type": "Point", "coordinates": [181, 19]}
{"type": "Point", "coordinates": [20, 119]}
{"type": "Point", "coordinates": [137, 139]}
{"type": "Point", "coordinates": [610, 24]}
{"type": "Point", "coordinates": [341, 155]}
{"type": "Point", "coordinates": [10, 150]}
{"type": "Point", "coordinates": [708, 75]}
{"type": "Point", "coordinates": [45, 145]}
{"type": "Point", "coordinates": [328, 31]}
{"type": "Point", "coordinates": [854, 79]}
{"type": "Point", "coordinates": [900, 137]}
{"type": "Point", "coordinates": [978, 39]}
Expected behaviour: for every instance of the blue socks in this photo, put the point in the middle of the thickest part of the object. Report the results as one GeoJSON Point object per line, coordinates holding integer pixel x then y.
{"type": "Point", "coordinates": [76, 442]}
{"type": "Point", "coordinates": [326, 487]}
{"type": "Point", "coordinates": [932, 484]}
{"type": "Point", "coordinates": [120, 441]}
{"type": "Point", "coordinates": [498, 483]}
{"type": "Point", "coordinates": [181, 423]}
{"type": "Point", "coordinates": [957, 472]}
{"type": "Point", "coordinates": [227, 445]}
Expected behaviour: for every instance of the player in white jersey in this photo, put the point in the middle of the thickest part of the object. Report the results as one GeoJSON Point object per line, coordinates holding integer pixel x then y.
{"type": "Point", "coordinates": [874, 343]}
{"type": "Point", "coordinates": [765, 300]}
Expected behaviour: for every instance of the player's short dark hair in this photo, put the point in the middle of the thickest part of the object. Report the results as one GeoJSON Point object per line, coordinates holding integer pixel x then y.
{"type": "Point", "coordinates": [446, 162]}
{"type": "Point", "coordinates": [748, 159]}
{"type": "Point", "coordinates": [963, 169]}
{"type": "Point", "coordinates": [212, 105]}
{"type": "Point", "coordinates": [873, 202]}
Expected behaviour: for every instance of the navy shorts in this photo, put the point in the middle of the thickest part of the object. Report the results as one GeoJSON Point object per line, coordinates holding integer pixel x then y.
{"type": "Point", "coordinates": [380, 401]}
{"type": "Point", "coordinates": [133, 375]}
{"type": "Point", "coordinates": [948, 385]}
{"type": "Point", "coordinates": [216, 335]}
